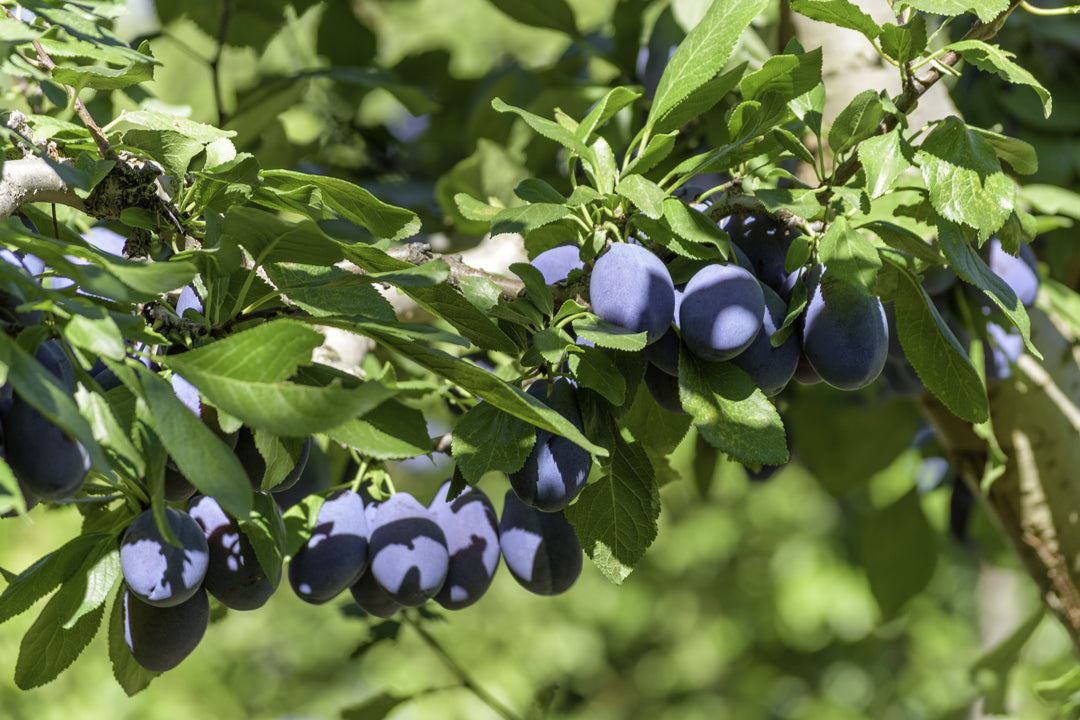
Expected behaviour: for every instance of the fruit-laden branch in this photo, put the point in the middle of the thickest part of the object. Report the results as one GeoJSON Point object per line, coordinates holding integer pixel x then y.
{"type": "Point", "coordinates": [918, 85]}
{"type": "Point", "coordinates": [1035, 501]}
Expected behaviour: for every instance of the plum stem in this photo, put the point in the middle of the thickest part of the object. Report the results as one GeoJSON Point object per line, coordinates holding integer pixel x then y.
{"type": "Point", "coordinates": [455, 667]}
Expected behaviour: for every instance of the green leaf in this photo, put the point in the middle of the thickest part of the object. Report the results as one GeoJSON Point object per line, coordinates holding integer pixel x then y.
{"type": "Point", "coordinates": [701, 55]}
{"type": "Point", "coordinates": [549, 129]}
{"type": "Point", "coordinates": [266, 532]}
{"type": "Point", "coordinates": [488, 387]}
{"type": "Point", "coordinates": [376, 707]}
{"type": "Point", "coordinates": [645, 194]}
{"type": "Point", "coordinates": [938, 358]}
{"type": "Point", "coordinates": [94, 330]}
{"type": "Point", "coordinates": [615, 517]}
{"type": "Point", "coordinates": [389, 432]}
{"type": "Point", "coordinates": [535, 190]}
{"type": "Point", "coordinates": [898, 571]}
{"type": "Point", "coordinates": [696, 104]}
{"type": "Point", "coordinates": [47, 574]}
{"type": "Point", "coordinates": [847, 252]}
{"type": "Point", "coordinates": [660, 429]}
{"type": "Point", "coordinates": [788, 75]}
{"type": "Point", "coordinates": [593, 369]}
{"type": "Point", "coordinates": [552, 14]}
{"type": "Point", "coordinates": [266, 353]}
{"type": "Point", "coordinates": [985, 10]}
{"type": "Point", "coordinates": [659, 147]}
{"type": "Point", "coordinates": [524, 218]}
{"type": "Point", "coordinates": [132, 677]}
{"type": "Point", "coordinates": [158, 120]}
{"type": "Point", "coordinates": [1019, 154]}
{"type": "Point", "coordinates": [473, 209]}
{"type": "Point", "coordinates": [440, 300]}
{"type": "Point", "coordinates": [730, 412]}
{"type": "Point", "coordinates": [487, 439]}
{"type": "Point", "coordinates": [70, 619]}
{"type": "Point", "coordinates": [538, 292]}
{"type": "Point", "coordinates": [104, 78]}
{"type": "Point", "coordinates": [992, 59]}
{"type": "Point", "coordinates": [904, 240]}
{"type": "Point", "coordinates": [608, 335]}
{"type": "Point", "coordinates": [694, 226]}
{"type": "Point", "coordinates": [324, 291]}
{"type": "Point", "coordinates": [173, 150]}
{"type": "Point", "coordinates": [964, 177]}
{"type": "Point", "coordinates": [884, 159]}
{"type": "Point", "coordinates": [856, 122]}
{"type": "Point", "coordinates": [904, 43]}
{"type": "Point", "coordinates": [841, 13]}
{"type": "Point", "coordinates": [793, 145]}
{"type": "Point", "coordinates": [270, 238]}
{"type": "Point", "coordinates": [615, 100]}
{"type": "Point", "coordinates": [202, 457]}
{"type": "Point", "coordinates": [972, 269]}
{"type": "Point", "coordinates": [352, 202]}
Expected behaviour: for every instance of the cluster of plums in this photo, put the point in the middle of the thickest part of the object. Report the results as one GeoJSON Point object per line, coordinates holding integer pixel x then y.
{"type": "Point", "coordinates": [728, 312]}
{"type": "Point", "coordinates": [389, 555]}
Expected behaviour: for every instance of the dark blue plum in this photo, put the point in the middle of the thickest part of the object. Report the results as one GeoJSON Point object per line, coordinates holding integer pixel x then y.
{"type": "Point", "coordinates": [556, 469]}
{"type": "Point", "coordinates": [1021, 273]}
{"type": "Point", "coordinates": [106, 240]}
{"type": "Point", "coordinates": [14, 292]}
{"type": "Point", "coordinates": [664, 388]}
{"type": "Point", "coordinates": [187, 393]}
{"type": "Point", "coordinates": [541, 550]}
{"type": "Point", "coordinates": [472, 539]}
{"type": "Point", "coordinates": [771, 368]}
{"type": "Point", "coordinates": [156, 572]}
{"type": "Point", "coordinates": [765, 242]}
{"type": "Point", "coordinates": [188, 300]}
{"type": "Point", "coordinates": [664, 353]}
{"type": "Point", "coordinates": [409, 554]}
{"type": "Point", "coordinates": [721, 310]}
{"type": "Point", "coordinates": [233, 575]}
{"type": "Point", "coordinates": [159, 638]}
{"type": "Point", "coordinates": [845, 335]}
{"type": "Point", "coordinates": [177, 487]}
{"type": "Point", "coordinates": [314, 479]}
{"type": "Point", "coordinates": [47, 460]}
{"type": "Point", "coordinates": [630, 287]}
{"type": "Point", "coordinates": [556, 263]}
{"type": "Point", "coordinates": [336, 554]}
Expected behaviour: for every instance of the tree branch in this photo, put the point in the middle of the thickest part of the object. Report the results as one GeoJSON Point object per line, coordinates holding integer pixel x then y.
{"type": "Point", "coordinates": [920, 84]}
{"type": "Point", "coordinates": [33, 180]}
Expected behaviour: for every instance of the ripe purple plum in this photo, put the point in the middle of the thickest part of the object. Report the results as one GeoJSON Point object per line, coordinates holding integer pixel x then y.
{"type": "Point", "coordinates": [765, 242]}
{"type": "Point", "coordinates": [721, 310]}
{"type": "Point", "coordinates": [630, 287]}
{"type": "Point", "coordinates": [845, 334]}
{"type": "Point", "coordinates": [336, 554]}
{"type": "Point", "coordinates": [1020, 272]}
{"type": "Point", "coordinates": [46, 459]}
{"type": "Point", "coordinates": [409, 553]}
{"type": "Point", "coordinates": [771, 368]}
{"type": "Point", "coordinates": [556, 263]}
{"type": "Point", "coordinates": [541, 550]}
{"type": "Point", "coordinates": [156, 572]}
{"type": "Point", "coordinates": [233, 575]}
{"type": "Point", "coordinates": [472, 539]}
{"type": "Point", "coordinates": [556, 469]}
{"type": "Point", "coordinates": [159, 638]}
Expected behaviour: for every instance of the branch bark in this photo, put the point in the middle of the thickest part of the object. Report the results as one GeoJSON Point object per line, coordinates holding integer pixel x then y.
{"type": "Point", "coordinates": [33, 180]}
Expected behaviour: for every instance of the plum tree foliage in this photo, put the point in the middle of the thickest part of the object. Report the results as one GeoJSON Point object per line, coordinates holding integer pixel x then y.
{"type": "Point", "coordinates": [703, 246]}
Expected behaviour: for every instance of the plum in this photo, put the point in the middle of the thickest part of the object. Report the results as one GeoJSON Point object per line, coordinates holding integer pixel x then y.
{"type": "Point", "coordinates": [765, 242]}
{"type": "Point", "coordinates": [1020, 272]}
{"type": "Point", "coordinates": [541, 550]}
{"type": "Point", "coordinates": [845, 334]}
{"type": "Point", "coordinates": [771, 368]}
{"type": "Point", "coordinates": [472, 539]}
{"type": "Point", "coordinates": [159, 638]}
{"type": "Point", "coordinates": [156, 572]}
{"type": "Point", "coordinates": [630, 287]}
{"type": "Point", "coordinates": [233, 575]}
{"type": "Point", "coordinates": [721, 311]}
{"type": "Point", "coordinates": [556, 468]}
{"type": "Point", "coordinates": [556, 263]}
{"type": "Point", "coordinates": [336, 554]}
{"type": "Point", "coordinates": [409, 553]}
